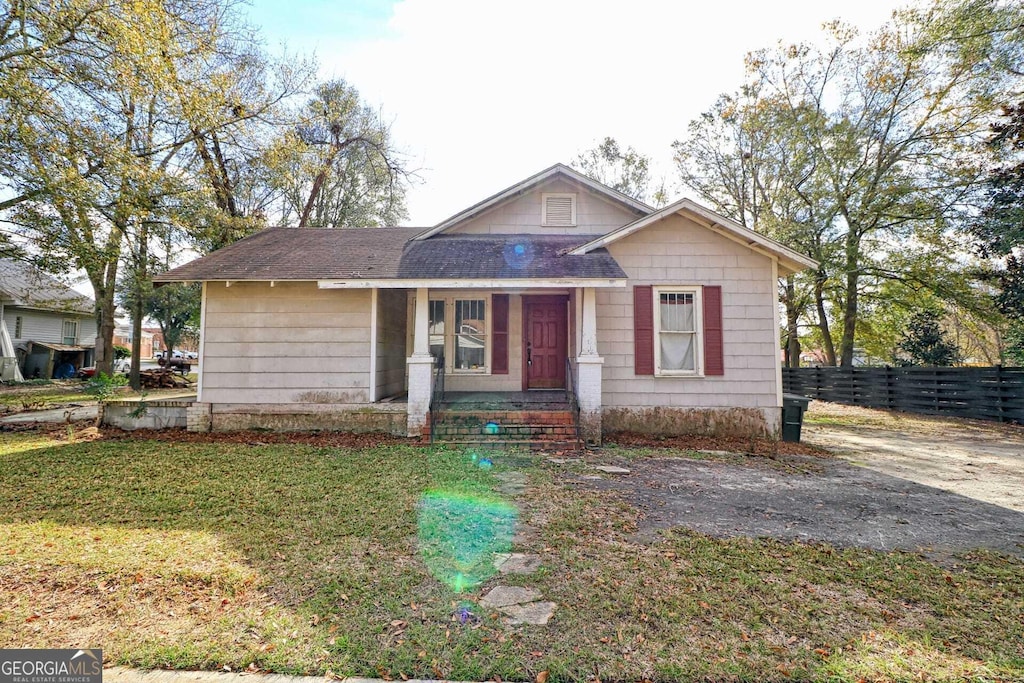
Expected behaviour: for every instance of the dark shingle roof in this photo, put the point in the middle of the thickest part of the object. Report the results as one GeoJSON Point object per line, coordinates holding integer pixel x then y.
{"type": "Point", "coordinates": [505, 257]}
{"type": "Point", "coordinates": [301, 254]}
{"type": "Point", "coordinates": [387, 253]}
{"type": "Point", "coordinates": [29, 287]}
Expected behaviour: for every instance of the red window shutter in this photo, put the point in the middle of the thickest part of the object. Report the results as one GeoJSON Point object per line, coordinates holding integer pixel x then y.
{"type": "Point", "coordinates": [643, 330]}
{"type": "Point", "coordinates": [499, 335]}
{"type": "Point", "coordinates": [714, 356]}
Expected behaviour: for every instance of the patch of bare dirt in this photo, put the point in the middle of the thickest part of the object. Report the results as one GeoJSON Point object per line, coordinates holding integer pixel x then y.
{"type": "Point", "coordinates": [760, 446]}
{"type": "Point", "coordinates": [823, 412]}
{"type": "Point", "coordinates": [971, 458]}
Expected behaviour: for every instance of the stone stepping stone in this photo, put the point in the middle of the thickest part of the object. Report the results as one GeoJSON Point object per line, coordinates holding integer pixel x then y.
{"type": "Point", "coordinates": [512, 483]}
{"type": "Point", "coordinates": [535, 613]}
{"type": "Point", "coordinates": [611, 469]}
{"type": "Point", "coordinates": [563, 461]}
{"type": "Point", "coordinates": [506, 596]}
{"type": "Point", "coordinates": [516, 563]}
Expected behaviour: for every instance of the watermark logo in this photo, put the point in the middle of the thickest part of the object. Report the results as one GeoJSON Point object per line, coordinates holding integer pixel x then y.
{"type": "Point", "coordinates": [51, 666]}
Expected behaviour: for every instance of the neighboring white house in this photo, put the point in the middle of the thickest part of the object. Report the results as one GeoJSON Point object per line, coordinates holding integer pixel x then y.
{"type": "Point", "coordinates": [663, 321]}
{"type": "Point", "coordinates": [45, 325]}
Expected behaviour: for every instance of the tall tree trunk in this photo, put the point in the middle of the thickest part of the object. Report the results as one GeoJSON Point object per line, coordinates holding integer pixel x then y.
{"type": "Point", "coordinates": [105, 338]}
{"type": "Point", "coordinates": [819, 302]}
{"type": "Point", "coordinates": [792, 317]}
{"type": "Point", "coordinates": [103, 280]}
{"type": "Point", "coordinates": [141, 274]}
{"type": "Point", "coordinates": [850, 309]}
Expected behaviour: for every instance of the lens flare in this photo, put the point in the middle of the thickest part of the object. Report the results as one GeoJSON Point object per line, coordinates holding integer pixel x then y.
{"type": "Point", "coordinates": [460, 534]}
{"type": "Point", "coordinates": [518, 254]}
{"type": "Point", "coordinates": [492, 428]}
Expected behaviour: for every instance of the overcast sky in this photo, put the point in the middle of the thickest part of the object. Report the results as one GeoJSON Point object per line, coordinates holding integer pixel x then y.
{"type": "Point", "coordinates": [484, 93]}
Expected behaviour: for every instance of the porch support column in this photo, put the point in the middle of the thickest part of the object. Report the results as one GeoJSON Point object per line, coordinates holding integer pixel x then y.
{"type": "Point", "coordinates": [421, 365]}
{"type": "Point", "coordinates": [588, 371]}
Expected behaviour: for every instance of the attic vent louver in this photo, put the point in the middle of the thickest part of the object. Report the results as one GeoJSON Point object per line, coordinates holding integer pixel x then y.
{"type": "Point", "coordinates": [559, 210]}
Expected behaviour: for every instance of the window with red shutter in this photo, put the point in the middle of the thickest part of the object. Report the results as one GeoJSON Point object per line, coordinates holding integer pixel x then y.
{"type": "Point", "coordinates": [643, 330]}
{"type": "Point", "coordinates": [685, 330]}
{"type": "Point", "coordinates": [714, 354]}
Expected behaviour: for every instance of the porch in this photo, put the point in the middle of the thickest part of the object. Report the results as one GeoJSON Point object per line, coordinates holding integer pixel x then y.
{"type": "Point", "coordinates": [480, 358]}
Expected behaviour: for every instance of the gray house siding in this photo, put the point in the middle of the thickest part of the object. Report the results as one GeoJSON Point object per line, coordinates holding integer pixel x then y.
{"type": "Point", "coordinates": [678, 252]}
{"type": "Point", "coordinates": [44, 326]}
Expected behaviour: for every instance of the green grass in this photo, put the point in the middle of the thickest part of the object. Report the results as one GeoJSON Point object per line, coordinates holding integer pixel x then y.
{"type": "Point", "coordinates": [298, 559]}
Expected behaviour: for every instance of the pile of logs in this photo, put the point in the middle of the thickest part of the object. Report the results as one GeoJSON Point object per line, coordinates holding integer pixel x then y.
{"type": "Point", "coordinates": [162, 378]}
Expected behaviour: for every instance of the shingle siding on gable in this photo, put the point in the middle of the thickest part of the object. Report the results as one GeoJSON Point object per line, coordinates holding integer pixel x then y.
{"type": "Point", "coordinates": [594, 216]}
{"type": "Point", "coordinates": [677, 251]}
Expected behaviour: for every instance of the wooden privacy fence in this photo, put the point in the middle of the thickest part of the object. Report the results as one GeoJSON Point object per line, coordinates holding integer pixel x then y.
{"type": "Point", "coordinates": [995, 393]}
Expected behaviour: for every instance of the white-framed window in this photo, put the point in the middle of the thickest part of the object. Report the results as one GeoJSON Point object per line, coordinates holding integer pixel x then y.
{"type": "Point", "coordinates": [458, 328]}
{"type": "Point", "coordinates": [558, 209]}
{"type": "Point", "coordinates": [678, 331]}
{"type": "Point", "coordinates": [70, 332]}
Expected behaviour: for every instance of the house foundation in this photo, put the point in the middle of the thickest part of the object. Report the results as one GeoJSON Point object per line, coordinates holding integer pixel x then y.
{"type": "Point", "coordinates": [660, 421]}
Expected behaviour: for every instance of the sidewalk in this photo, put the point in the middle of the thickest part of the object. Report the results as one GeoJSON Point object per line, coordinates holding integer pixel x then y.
{"type": "Point", "coordinates": [83, 411]}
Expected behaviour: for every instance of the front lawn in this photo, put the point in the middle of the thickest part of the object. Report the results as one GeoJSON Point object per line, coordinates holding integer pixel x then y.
{"type": "Point", "coordinates": [302, 558]}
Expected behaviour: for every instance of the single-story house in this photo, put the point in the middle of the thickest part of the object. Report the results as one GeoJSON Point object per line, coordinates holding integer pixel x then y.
{"type": "Point", "coordinates": [655, 320]}
{"type": "Point", "coordinates": [47, 326]}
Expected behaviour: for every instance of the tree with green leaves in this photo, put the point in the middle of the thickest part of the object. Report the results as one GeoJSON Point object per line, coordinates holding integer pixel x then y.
{"type": "Point", "coordinates": [104, 101]}
{"type": "Point", "coordinates": [999, 230]}
{"type": "Point", "coordinates": [860, 150]}
{"type": "Point", "coordinates": [175, 308]}
{"type": "Point", "coordinates": [624, 170]}
{"type": "Point", "coordinates": [737, 159]}
{"type": "Point", "coordinates": [926, 343]}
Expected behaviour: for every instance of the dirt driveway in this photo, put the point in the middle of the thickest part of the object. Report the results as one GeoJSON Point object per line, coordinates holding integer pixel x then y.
{"type": "Point", "coordinates": [980, 460]}
{"type": "Point", "coordinates": [898, 483]}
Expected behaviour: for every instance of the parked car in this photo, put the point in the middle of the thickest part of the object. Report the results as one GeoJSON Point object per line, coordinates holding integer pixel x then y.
{"type": "Point", "coordinates": [123, 365]}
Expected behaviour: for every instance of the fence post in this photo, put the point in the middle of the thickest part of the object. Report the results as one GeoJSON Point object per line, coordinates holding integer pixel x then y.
{"type": "Point", "coordinates": [999, 393]}
{"type": "Point", "coordinates": [888, 387]}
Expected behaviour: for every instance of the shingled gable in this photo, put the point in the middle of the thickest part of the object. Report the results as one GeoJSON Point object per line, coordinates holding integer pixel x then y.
{"type": "Point", "coordinates": [789, 260]}
{"type": "Point", "coordinates": [558, 171]}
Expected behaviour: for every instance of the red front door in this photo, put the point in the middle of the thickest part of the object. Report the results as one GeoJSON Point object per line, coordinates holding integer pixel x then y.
{"type": "Point", "coordinates": [546, 340]}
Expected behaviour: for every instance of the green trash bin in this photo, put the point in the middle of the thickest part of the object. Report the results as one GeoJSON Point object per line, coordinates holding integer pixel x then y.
{"type": "Point", "coordinates": [793, 408]}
